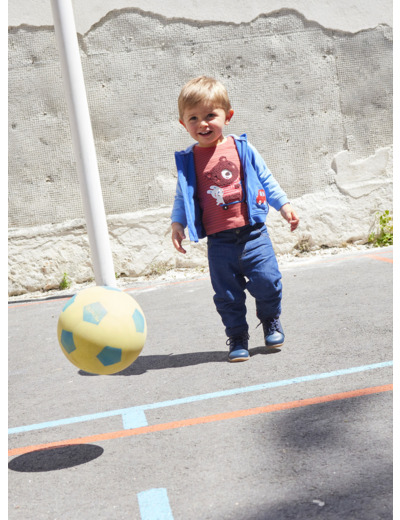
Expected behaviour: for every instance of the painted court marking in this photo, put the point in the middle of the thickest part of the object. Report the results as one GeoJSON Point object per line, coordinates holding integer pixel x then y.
{"type": "Point", "coordinates": [203, 420]}
{"type": "Point", "coordinates": [154, 505]}
{"type": "Point", "coordinates": [135, 417]}
{"type": "Point", "coordinates": [381, 258]}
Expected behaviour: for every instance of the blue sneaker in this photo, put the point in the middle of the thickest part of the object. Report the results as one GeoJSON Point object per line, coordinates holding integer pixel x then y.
{"type": "Point", "coordinates": [273, 333]}
{"type": "Point", "coordinates": [238, 348]}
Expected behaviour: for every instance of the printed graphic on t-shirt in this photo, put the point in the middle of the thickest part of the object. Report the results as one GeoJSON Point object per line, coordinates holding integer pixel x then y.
{"type": "Point", "coordinates": [220, 187]}
{"type": "Point", "coordinates": [225, 185]}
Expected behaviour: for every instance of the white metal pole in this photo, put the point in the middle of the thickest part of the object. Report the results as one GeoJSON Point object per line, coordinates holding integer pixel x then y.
{"type": "Point", "coordinates": [83, 142]}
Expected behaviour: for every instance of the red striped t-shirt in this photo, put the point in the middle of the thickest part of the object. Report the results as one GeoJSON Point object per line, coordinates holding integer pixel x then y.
{"type": "Point", "coordinates": [220, 187]}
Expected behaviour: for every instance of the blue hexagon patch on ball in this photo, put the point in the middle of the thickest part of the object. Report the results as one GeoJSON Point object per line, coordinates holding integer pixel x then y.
{"type": "Point", "coordinates": [69, 302]}
{"type": "Point", "coordinates": [94, 313]}
{"type": "Point", "coordinates": [138, 318]}
{"type": "Point", "coordinates": [67, 341]}
{"type": "Point", "coordinates": [109, 356]}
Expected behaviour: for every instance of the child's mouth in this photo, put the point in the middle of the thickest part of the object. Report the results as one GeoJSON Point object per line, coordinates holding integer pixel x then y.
{"type": "Point", "coordinates": [208, 132]}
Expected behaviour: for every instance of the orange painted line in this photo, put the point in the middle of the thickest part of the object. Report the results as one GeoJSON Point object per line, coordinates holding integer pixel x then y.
{"type": "Point", "coordinates": [383, 251]}
{"type": "Point", "coordinates": [333, 259]}
{"type": "Point", "coordinates": [381, 258]}
{"type": "Point", "coordinates": [25, 304]}
{"type": "Point", "coordinates": [202, 420]}
{"type": "Point", "coordinates": [166, 284]}
{"type": "Point", "coordinates": [123, 289]}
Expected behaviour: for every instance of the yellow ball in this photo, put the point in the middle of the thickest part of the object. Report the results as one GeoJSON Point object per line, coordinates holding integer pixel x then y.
{"type": "Point", "coordinates": [102, 330]}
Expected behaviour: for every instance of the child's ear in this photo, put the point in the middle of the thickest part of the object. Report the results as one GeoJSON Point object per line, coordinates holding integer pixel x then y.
{"type": "Point", "coordinates": [182, 123]}
{"type": "Point", "coordinates": [229, 116]}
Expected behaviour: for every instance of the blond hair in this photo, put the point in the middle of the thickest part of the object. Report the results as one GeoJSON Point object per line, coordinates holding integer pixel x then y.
{"type": "Point", "coordinates": [203, 90]}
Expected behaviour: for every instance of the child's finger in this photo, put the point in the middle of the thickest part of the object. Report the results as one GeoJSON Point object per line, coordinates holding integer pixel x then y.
{"type": "Point", "coordinates": [294, 222]}
{"type": "Point", "coordinates": [177, 241]}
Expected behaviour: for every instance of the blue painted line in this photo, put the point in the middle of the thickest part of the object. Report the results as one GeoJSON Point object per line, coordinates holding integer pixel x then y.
{"type": "Point", "coordinates": [154, 505]}
{"type": "Point", "coordinates": [134, 419]}
{"type": "Point", "coordinates": [129, 413]}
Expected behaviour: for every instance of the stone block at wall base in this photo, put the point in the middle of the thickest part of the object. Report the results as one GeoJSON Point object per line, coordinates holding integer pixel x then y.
{"type": "Point", "coordinates": [141, 241]}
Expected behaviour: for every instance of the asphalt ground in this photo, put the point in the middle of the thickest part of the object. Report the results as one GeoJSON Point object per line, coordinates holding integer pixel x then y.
{"type": "Point", "coordinates": [300, 432]}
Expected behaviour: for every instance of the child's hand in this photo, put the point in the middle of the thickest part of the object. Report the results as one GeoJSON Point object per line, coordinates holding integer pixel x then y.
{"type": "Point", "coordinates": [289, 214]}
{"type": "Point", "coordinates": [178, 234]}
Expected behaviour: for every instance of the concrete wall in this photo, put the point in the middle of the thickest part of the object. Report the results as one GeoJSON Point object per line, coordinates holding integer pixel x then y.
{"type": "Point", "coordinates": [345, 15]}
{"type": "Point", "coordinates": [313, 97]}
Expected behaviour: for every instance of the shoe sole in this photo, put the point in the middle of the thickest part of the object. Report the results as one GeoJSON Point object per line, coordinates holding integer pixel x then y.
{"type": "Point", "coordinates": [238, 360]}
{"type": "Point", "coordinates": [274, 346]}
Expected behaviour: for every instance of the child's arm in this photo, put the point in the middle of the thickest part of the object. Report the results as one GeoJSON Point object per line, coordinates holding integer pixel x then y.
{"type": "Point", "coordinates": [276, 197]}
{"type": "Point", "coordinates": [289, 214]}
{"type": "Point", "coordinates": [178, 234]}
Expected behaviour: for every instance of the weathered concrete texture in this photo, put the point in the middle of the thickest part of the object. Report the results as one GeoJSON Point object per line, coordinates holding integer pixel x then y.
{"type": "Point", "coordinates": [316, 103]}
{"type": "Point", "coordinates": [345, 15]}
{"type": "Point", "coordinates": [362, 177]}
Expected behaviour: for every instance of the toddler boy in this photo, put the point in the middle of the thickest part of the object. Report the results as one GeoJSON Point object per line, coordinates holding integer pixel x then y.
{"type": "Point", "coordinates": [223, 192]}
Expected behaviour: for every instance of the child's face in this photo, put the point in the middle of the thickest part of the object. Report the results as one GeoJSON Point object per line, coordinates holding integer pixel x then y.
{"type": "Point", "coordinates": [205, 123]}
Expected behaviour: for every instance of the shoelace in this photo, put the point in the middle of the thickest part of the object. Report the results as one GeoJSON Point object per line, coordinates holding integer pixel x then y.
{"type": "Point", "coordinates": [270, 325]}
{"type": "Point", "coordinates": [235, 340]}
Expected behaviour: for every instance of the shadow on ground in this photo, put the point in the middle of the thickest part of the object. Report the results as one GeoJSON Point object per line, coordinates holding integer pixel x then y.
{"type": "Point", "coordinates": [51, 459]}
{"type": "Point", "coordinates": [159, 362]}
{"type": "Point", "coordinates": [332, 458]}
